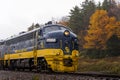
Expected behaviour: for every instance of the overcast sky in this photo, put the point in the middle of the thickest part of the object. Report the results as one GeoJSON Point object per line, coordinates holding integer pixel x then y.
{"type": "Point", "coordinates": [18, 15]}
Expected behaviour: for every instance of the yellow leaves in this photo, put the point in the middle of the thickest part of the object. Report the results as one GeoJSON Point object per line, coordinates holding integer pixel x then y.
{"type": "Point", "coordinates": [118, 29]}
{"type": "Point", "coordinates": [101, 28]}
{"type": "Point", "coordinates": [93, 34]}
{"type": "Point", "coordinates": [94, 31]}
{"type": "Point", "coordinates": [118, 23]}
{"type": "Point", "coordinates": [112, 20]}
{"type": "Point", "coordinates": [99, 18]}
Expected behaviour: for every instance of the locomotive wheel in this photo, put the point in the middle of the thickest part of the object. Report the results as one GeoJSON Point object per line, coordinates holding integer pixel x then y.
{"type": "Point", "coordinates": [42, 65]}
{"type": "Point", "coordinates": [31, 64]}
{"type": "Point", "coordinates": [30, 69]}
{"type": "Point", "coordinates": [50, 70]}
{"type": "Point", "coordinates": [39, 66]}
{"type": "Point", "coordinates": [10, 67]}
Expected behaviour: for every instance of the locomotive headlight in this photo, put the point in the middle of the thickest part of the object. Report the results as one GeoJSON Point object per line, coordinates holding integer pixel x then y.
{"type": "Point", "coordinates": [66, 33]}
{"type": "Point", "coordinates": [51, 40]}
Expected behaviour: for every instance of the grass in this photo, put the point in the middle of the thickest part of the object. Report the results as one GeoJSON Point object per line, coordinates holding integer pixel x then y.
{"type": "Point", "coordinates": [35, 78]}
{"type": "Point", "coordinates": [106, 65]}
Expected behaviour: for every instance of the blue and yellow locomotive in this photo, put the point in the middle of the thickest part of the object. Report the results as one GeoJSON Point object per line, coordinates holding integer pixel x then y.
{"type": "Point", "coordinates": [51, 47]}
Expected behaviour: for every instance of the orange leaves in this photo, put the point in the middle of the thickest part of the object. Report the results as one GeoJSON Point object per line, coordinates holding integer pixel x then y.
{"type": "Point", "coordinates": [101, 28]}
{"type": "Point", "coordinates": [112, 20]}
{"type": "Point", "coordinates": [99, 18]}
{"type": "Point", "coordinates": [118, 29]}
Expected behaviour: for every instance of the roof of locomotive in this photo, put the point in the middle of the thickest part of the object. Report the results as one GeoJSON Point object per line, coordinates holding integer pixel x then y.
{"type": "Point", "coordinates": [48, 25]}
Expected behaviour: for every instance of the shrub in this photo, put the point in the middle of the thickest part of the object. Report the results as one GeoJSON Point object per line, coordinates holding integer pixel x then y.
{"type": "Point", "coordinates": [100, 65]}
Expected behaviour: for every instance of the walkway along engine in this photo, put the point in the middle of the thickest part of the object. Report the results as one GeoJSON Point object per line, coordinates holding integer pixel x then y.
{"type": "Point", "coordinates": [51, 47]}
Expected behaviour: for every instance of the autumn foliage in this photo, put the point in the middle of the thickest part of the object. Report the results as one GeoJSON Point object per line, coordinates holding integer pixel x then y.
{"type": "Point", "coordinates": [97, 27]}
{"type": "Point", "coordinates": [101, 28]}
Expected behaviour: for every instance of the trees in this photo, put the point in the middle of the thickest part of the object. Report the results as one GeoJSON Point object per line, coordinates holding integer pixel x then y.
{"type": "Point", "coordinates": [33, 26]}
{"type": "Point", "coordinates": [79, 19]}
{"type": "Point", "coordinates": [95, 25]}
{"type": "Point", "coordinates": [112, 8]}
{"type": "Point", "coordinates": [75, 19]}
{"type": "Point", "coordinates": [97, 34]}
{"type": "Point", "coordinates": [88, 8]}
{"type": "Point", "coordinates": [106, 4]}
{"type": "Point", "coordinates": [101, 33]}
{"type": "Point", "coordinates": [113, 43]}
{"type": "Point", "coordinates": [76, 23]}
{"type": "Point", "coordinates": [113, 46]}
{"type": "Point", "coordinates": [64, 21]}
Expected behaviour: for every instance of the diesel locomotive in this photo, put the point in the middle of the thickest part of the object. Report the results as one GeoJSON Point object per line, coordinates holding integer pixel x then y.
{"type": "Point", "coordinates": [52, 47]}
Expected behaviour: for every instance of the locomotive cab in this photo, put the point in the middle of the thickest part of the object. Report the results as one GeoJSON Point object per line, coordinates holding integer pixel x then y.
{"type": "Point", "coordinates": [62, 44]}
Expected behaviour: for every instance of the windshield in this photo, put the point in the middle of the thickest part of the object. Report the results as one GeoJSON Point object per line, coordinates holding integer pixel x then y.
{"type": "Point", "coordinates": [54, 28]}
{"type": "Point", "coordinates": [51, 28]}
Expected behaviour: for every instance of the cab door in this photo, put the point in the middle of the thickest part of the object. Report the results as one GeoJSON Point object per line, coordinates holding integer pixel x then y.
{"type": "Point", "coordinates": [35, 36]}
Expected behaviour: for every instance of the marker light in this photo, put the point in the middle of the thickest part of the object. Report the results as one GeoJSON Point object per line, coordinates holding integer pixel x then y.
{"type": "Point", "coordinates": [57, 53]}
{"type": "Point", "coordinates": [66, 33]}
{"type": "Point", "coordinates": [77, 55]}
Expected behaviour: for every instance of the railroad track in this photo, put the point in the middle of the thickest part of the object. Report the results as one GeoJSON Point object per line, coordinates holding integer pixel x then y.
{"type": "Point", "coordinates": [62, 76]}
{"type": "Point", "coordinates": [95, 75]}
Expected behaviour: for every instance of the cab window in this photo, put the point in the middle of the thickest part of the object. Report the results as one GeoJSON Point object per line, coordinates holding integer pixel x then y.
{"type": "Point", "coordinates": [50, 28]}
